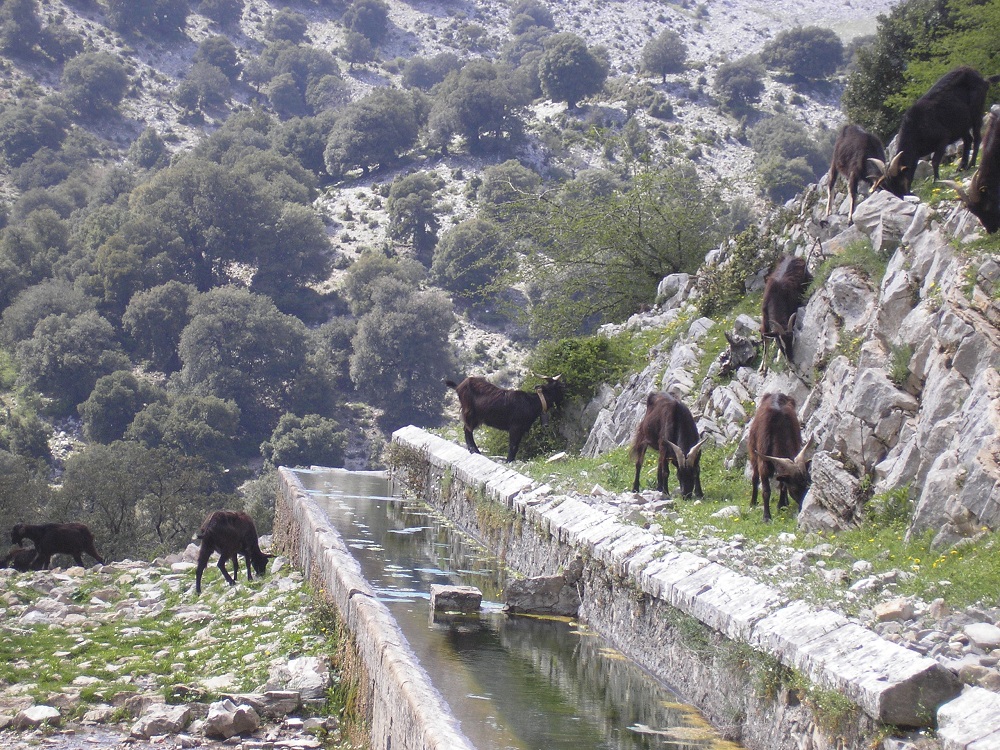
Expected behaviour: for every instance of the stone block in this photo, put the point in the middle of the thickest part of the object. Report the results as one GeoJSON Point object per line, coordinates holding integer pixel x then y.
{"type": "Point", "coordinates": [973, 717]}
{"type": "Point", "coordinates": [465, 599]}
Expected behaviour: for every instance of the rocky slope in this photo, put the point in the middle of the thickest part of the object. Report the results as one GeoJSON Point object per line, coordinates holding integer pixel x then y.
{"type": "Point", "coordinates": [897, 384]}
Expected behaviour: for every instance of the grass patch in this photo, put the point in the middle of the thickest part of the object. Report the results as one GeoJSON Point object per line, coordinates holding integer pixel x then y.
{"type": "Point", "coordinates": [966, 575]}
{"type": "Point", "coordinates": [238, 632]}
{"type": "Point", "coordinates": [859, 255]}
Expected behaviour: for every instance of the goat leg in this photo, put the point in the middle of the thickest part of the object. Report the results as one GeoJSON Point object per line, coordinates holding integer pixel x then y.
{"type": "Point", "coordinates": [766, 492]}
{"type": "Point", "coordinates": [470, 441]}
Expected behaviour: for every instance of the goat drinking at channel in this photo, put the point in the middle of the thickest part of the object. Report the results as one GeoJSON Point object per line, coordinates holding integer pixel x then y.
{"type": "Point", "coordinates": [776, 450]}
{"type": "Point", "coordinates": [852, 152]}
{"type": "Point", "coordinates": [56, 539]}
{"type": "Point", "coordinates": [505, 409]}
{"type": "Point", "coordinates": [669, 429]}
{"type": "Point", "coordinates": [784, 292]}
{"type": "Point", "coordinates": [952, 109]}
{"type": "Point", "coordinates": [230, 533]}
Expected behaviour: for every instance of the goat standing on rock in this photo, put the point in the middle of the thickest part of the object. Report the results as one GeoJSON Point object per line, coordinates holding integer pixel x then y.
{"type": "Point", "coordinates": [852, 153]}
{"type": "Point", "coordinates": [669, 429]}
{"type": "Point", "coordinates": [784, 293]}
{"type": "Point", "coordinates": [775, 448]}
{"type": "Point", "coordinates": [505, 409]}
{"type": "Point", "coordinates": [56, 539]}
{"type": "Point", "coordinates": [952, 109]}
{"type": "Point", "coordinates": [983, 196]}
{"type": "Point", "coordinates": [230, 533]}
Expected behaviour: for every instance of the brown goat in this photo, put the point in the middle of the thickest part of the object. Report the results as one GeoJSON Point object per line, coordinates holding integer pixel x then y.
{"type": "Point", "coordinates": [784, 292]}
{"type": "Point", "coordinates": [983, 196]}
{"type": "Point", "coordinates": [20, 558]}
{"type": "Point", "coordinates": [505, 409]}
{"type": "Point", "coordinates": [669, 429]}
{"type": "Point", "coordinates": [776, 449]}
{"type": "Point", "coordinates": [54, 539]}
{"type": "Point", "coordinates": [851, 154]}
{"type": "Point", "coordinates": [230, 533]}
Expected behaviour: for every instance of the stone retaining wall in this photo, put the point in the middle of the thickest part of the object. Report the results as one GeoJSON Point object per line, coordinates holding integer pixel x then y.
{"type": "Point", "coordinates": [404, 710]}
{"type": "Point", "coordinates": [715, 635]}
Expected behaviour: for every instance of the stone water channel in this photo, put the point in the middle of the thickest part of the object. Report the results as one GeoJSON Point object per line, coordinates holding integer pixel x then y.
{"type": "Point", "coordinates": [512, 682]}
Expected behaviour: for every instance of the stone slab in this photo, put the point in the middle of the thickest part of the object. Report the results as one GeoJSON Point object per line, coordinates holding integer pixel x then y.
{"type": "Point", "coordinates": [973, 717]}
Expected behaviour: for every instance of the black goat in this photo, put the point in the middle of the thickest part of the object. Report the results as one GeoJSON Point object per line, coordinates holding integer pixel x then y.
{"type": "Point", "coordinates": [669, 429]}
{"type": "Point", "coordinates": [230, 533]}
{"type": "Point", "coordinates": [851, 154]}
{"type": "Point", "coordinates": [54, 539]}
{"type": "Point", "coordinates": [20, 558]}
{"type": "Point", "coordinates": [505, 409]}
{"type": "Point", "coordinates": [775, 448]}
{"type": "Point", "coordinates": [784, 292]}
{"type": "Point", "coordinates": [983, 196]}
{"type": "Point", "coordinates": [952, 109]}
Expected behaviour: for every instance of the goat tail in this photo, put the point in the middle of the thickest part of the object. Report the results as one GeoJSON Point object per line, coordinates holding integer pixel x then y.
{"type": "Point", "coordinates": [451, 384]}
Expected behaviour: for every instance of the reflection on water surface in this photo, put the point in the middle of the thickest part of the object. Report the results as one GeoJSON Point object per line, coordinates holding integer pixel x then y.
{"type": "Point", "coordinates": [514, 682]}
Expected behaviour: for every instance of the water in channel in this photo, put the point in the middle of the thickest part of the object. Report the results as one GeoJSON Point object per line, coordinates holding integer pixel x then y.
{"type": "Point", "coordinates": [514, 682]}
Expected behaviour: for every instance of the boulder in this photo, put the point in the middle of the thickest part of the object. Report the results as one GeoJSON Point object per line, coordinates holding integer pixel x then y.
{"type": "Point", "coordinates": [226, 719]}
{"type": "Point", "coordinates": [834, 499]}
{"type": "Point", "coordinates": [36, 716]}
{"type": "Point", "coordinates": [464, 599]}
{"type": "Point", "coordinates": [161, 719]}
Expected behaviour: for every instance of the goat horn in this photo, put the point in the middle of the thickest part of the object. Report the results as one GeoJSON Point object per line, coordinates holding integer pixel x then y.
{"type": "Point", "coordinates": [785, 466]}
{"type": "Point", "coordinates": [894, 166]}
{"type": "Point", "coordinates": [800, 457]}
{"type": "Point", "coordinates": [958, 188]}
{"type": "Point", "coordinates": [877, 163]}
{"type": "Point", "coordinates": [692, 455]}
{"type": "Point", "coordinates": [678, 454]}
{"type": "Point", "coordinates": [791, 322]}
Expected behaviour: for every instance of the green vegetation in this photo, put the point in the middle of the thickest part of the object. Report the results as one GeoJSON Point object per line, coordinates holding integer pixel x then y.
{"type": "Point", "coordinates": [916, 43]}
{"type": "Point", "coordinates": [962, 576]}
{"type": "Point", "coordinates": [860, 256]}
{"type": "Point", "coordinates": [159, 651]}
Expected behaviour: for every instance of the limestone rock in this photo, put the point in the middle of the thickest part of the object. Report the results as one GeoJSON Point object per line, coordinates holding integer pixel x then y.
{"type": "Point", "coordinates": [36, 716]}
{"type": "Point", "coordinates": [226, 719]}
{"type": "Point", "coordinates": [984, 635]}
{"type": "Point", "coordinates": [162, 719]}
{"type": "Point", "coordinates": [464, 599]}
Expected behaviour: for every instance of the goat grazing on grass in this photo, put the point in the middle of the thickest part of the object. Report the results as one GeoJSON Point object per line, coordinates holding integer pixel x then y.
{"type": "Point", "coordinates": [56, 539]}
{"type": "Point", "coordinates": [776, 450]}
{"type": "Point", "coordinates": [230, 533]}
{"type": "Point", "coordinates": [952, 109]}
{"type": "Point", "coordinates": [851, 154]}
{"type": "Point", "coordinates": [505, 409]}
{"type": "Point", "coordinates": [19, 558]}
{"type": "Point", "coordinates": [983, 195]}
{"type": "Point", "coordinates": [784, 292]}
{"type": "Point", "coordinates": [669, 429]}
